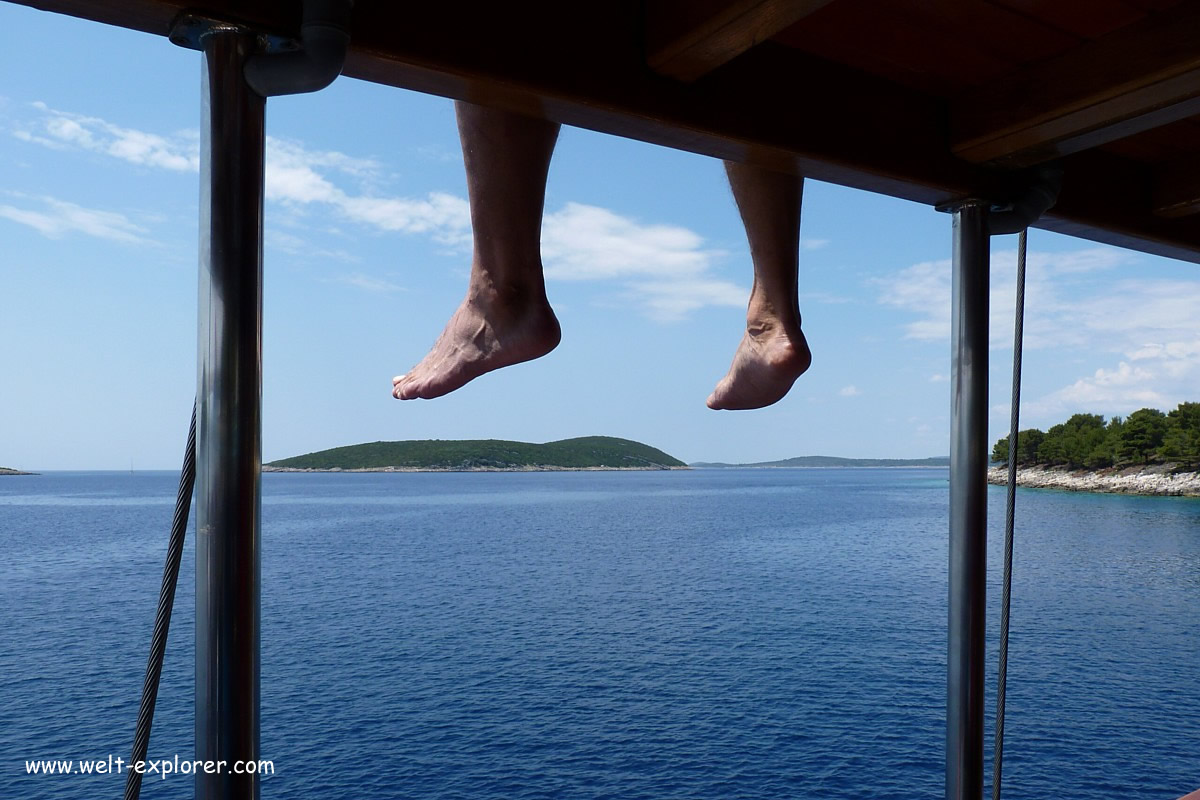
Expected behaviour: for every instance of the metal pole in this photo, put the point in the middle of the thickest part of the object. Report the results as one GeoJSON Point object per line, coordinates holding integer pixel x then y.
{"type": "Point", "coordinates": [229, 451]}
{"type": "Point", "coordinates": [968, 502]}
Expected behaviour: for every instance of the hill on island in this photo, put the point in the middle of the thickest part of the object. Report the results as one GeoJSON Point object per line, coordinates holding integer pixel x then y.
{"type": "Point", "coordinates": [587, 452]}
{"type": "Point", "coordinates": [834, 461]}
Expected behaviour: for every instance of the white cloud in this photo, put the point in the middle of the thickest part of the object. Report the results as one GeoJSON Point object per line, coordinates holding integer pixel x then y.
{"type": "Point", "coordinates": [60, 218]}
{"type": "Point", "coordinates": [295, 175]}
{"type": "Point", "coordinates": [582, 242]}
{"type": "Point", "coordinates": [1107, 391]}
{"type": "Point", "coordinates": [849, 391]}
{"type": "Point", "coordinates": [671, 302]}
{"type": "Point", "coordinates": [939, 378]}
{"type": "Point", "coordinates": [1050, 321]}
{"type": "Point", "coordinates": [1144, 332]}
{"type": "Point", "coordinates": [297, 246]}
{"type": "Point", "coordinates": [299, 177]}
{"type": "Point", "coordinates": [664, 268]}
{"type": "Point", "coordinates": [62, 129]}
{"type": "Point", "coordinates": [813, 244]}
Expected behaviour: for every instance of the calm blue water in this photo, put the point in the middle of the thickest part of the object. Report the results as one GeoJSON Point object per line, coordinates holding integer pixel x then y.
{"type": "Point", "coordinates": [701, 635]}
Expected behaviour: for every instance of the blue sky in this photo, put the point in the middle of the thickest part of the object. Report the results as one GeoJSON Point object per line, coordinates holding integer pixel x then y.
{"type": "Point", "coordinates": [367, 249]}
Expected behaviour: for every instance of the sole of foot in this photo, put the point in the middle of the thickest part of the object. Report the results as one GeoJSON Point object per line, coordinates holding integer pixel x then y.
{"type": "Point", "coordinates": [764, 368]}
{"type": "Point", "coordinates": [477, 340]}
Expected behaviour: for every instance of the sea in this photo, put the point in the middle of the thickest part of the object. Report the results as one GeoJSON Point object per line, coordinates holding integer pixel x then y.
{"type": "Point", "coordinates": [698, 635]}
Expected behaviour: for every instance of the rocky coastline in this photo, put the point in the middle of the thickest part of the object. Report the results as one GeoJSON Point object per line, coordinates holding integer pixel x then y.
{"type": "Point", "coordinates": [1156, 479]}
{"type": "Point", "coordinates": [7, 471]}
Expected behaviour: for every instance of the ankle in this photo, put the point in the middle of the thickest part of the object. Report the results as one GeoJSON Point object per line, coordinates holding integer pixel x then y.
{"type": "Point", "coordinates": [772, 326]}
{"type": "Point", "coordinates": [499, 295]}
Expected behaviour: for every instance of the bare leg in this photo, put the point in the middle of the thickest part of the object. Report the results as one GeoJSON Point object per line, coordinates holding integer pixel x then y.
{"type": "Point", "coordinates": [505, 317]}
{"type": "Point", "coordinates": [773, 352]}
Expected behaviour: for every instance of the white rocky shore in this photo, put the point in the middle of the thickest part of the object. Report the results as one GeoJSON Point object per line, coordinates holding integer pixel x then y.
{"type": "Point", "coordinates": [1157, 479]}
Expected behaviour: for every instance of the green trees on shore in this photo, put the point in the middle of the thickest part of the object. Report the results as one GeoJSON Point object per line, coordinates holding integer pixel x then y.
{"type": "Point", "coordinates": [1086, 441]}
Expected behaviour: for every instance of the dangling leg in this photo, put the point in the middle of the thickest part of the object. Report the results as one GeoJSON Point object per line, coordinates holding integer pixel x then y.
{"type": "Point", "coordinates": [505, 318]}
{"type": "Point", "coordinates": [773, 351]}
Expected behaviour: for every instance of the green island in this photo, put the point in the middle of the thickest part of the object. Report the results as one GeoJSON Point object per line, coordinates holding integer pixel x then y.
{"type": "Point", "coordinates": [1147, 452]}
{"type": "Point", "coordinates": [441, 455]}
{"type": "Point", "coordinates": [831, 461]}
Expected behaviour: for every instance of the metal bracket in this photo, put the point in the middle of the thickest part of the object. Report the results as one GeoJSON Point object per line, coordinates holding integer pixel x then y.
{"type": "Point", "coordinates": [1038, 195]}
{"type": "Point", "coordinates": [951, 206]}
{"type": "Point", "coordinates": [189, 29]}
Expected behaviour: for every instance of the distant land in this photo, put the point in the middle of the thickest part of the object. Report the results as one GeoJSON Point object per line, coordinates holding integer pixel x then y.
{"type": "Point", "coordinates": [7, 471]}
{"type": "Point", "coordinates": [442, 455]}
{"type": "Point", "coordinates": [832, 461]}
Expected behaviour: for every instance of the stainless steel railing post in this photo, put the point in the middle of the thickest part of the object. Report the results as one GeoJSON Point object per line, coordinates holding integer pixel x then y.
{"type": "Point", "coordinates": [229, 449]}
{"type": "Point", "coordinates": [968, 501]}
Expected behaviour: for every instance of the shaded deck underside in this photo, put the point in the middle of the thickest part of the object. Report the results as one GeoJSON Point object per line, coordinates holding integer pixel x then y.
{"type": "Point", "coordinates": [926, 100]}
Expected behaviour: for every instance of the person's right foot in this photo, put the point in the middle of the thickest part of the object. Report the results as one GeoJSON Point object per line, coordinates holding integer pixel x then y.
{"type": "Point", "coordinates": [487, 332]}
{"type": "Point", "coordinates": [765, 366]}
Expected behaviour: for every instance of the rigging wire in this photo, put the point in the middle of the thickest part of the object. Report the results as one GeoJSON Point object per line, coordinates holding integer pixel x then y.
{"type": "Point", "coordinates": [1009, 514]}
{"type": "Point", "coordinates": [162, 620]}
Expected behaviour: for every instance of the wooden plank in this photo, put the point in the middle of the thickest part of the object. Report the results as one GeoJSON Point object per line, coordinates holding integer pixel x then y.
{"type": "Point", "coordinates": [687, 39]}
{"type": "Point", "coordinates": [1087, 19]}
{"type": "Point", "coordinates": [1132, 80]}
{"type": "Point", "coordinates": [844, 127]}
{"type": "Point", "coordinates": [938, 46]}
{"type": "Point", "coordinates": [1177, 188]}
{"type": "Point", "coordinates": [598, 80]}
{"type": "Point", "coordinates": [1172, 142]}
{"type": "Point", "coordinates": [1108, 199]}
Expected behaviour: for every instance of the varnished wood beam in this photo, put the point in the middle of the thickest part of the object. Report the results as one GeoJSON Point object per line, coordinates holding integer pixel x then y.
{"type": "Point", "coordinates": [687, 39]}
{"type": "Point", "coordinates": [1129, 81]}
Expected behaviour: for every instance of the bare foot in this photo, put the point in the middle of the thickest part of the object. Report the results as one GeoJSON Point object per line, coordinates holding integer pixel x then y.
{"type": "Point", "coordinates": [487, 332]}
{"type": "Point", "coordinates": [765, 366]}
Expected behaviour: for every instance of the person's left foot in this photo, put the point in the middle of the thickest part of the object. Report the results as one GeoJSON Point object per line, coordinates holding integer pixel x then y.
{"type": "Point", "coordinates": [767, 362]}
{"type": "Point", "coordinates": [487, 332]}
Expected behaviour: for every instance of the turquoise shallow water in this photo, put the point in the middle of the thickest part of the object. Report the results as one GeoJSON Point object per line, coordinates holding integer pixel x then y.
{"type": "Point", "coordinates": [706, 634]}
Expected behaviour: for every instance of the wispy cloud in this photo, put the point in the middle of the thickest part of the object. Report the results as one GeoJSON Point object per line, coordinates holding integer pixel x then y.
{"type": "Point", "coordinates": [295, 175]}
{"type": "Point", "coordinates": [823, 298]}
{"type": "Point", "coordinates": [57, 218]}
{"type": "Point", "coordinates": [63, 130]}
{"type": "Point", "coordinates": [299, 177]}
{"type": "Point", "coordinates": [849, 391]}
{"type": "Point", "coordinates": [924, 290]}
{"type": "Point", "coordinates": [1107, 391]}
{"type": "Point", "coordinates": [1146, 330]}
{"type": "Point", "coordinates": [666, 268]}
{"type": "Point", "coordinates": [667, 271]}
{"type": "Point", "coordinates": [813, 244]}
{"type": "Point", "coordinates": [369, 283]}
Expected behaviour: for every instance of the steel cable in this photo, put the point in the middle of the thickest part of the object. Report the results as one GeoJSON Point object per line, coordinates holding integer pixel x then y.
{"type": "Point", "coordinates": [1009, 515]}
{"type": "Point", "coordinates": [162, 620]}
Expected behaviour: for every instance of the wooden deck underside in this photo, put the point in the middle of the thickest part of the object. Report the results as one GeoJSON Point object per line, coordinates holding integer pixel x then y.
{"type": "Point", "coordinates": [927, 100]}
